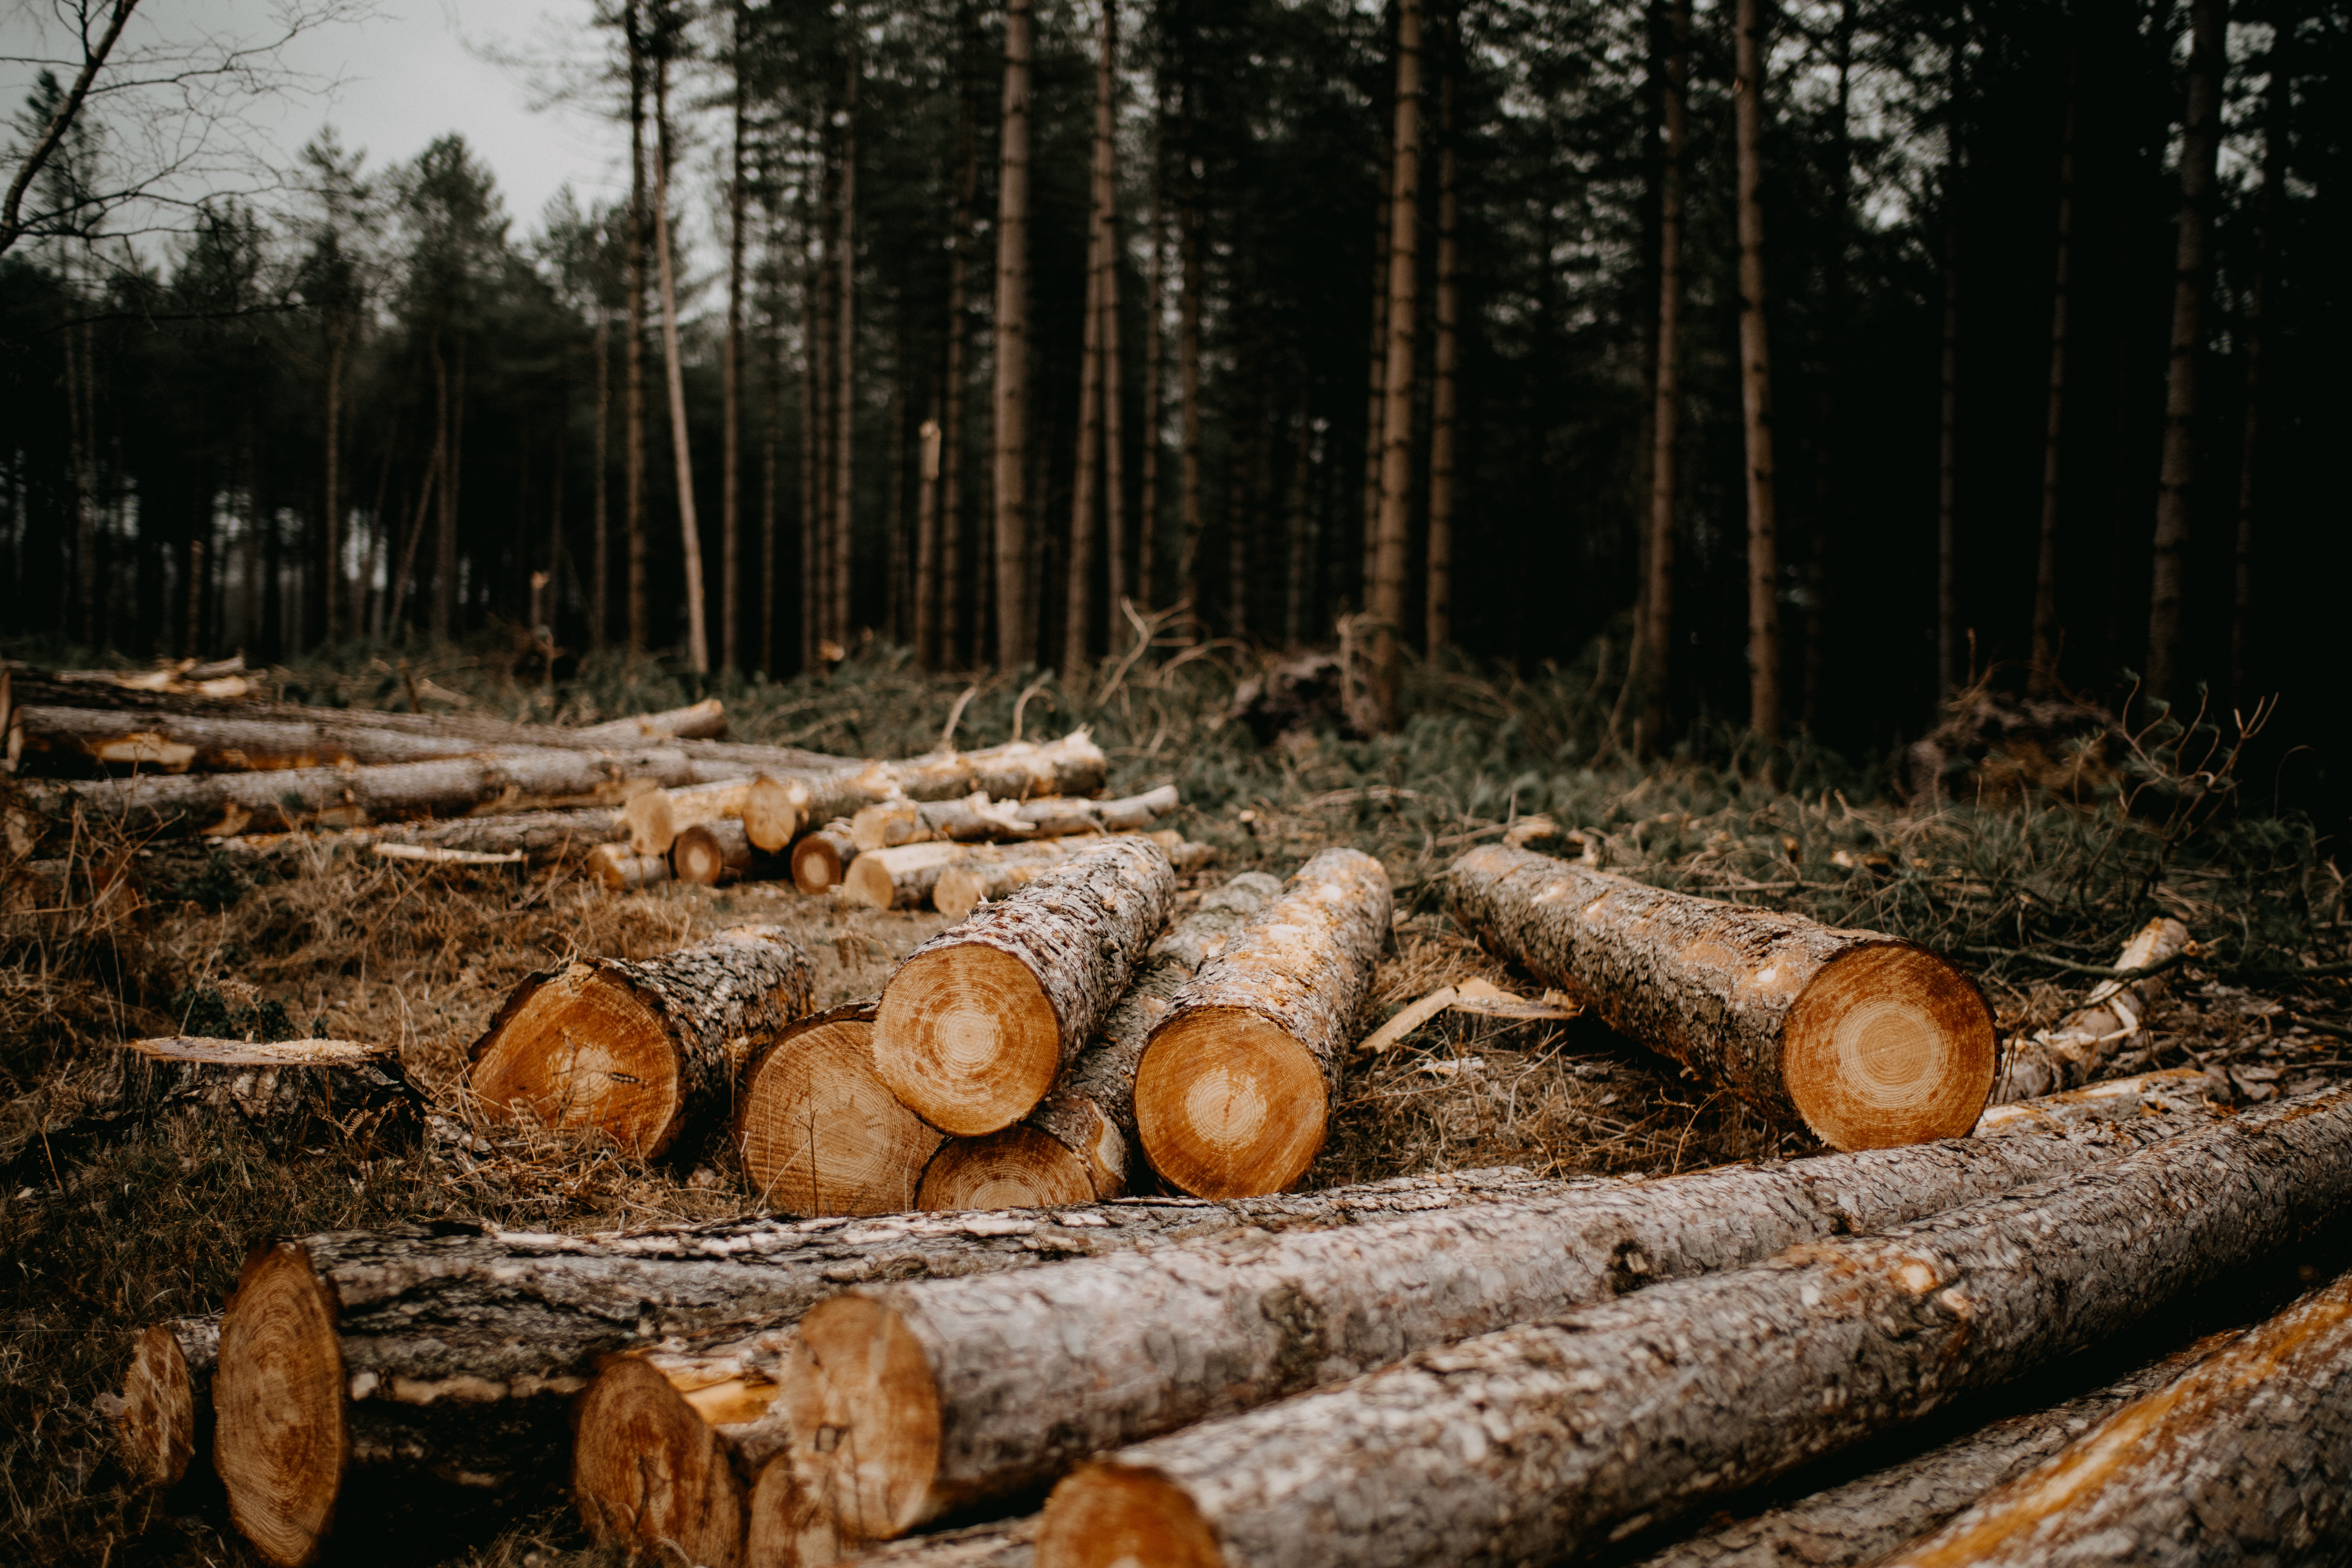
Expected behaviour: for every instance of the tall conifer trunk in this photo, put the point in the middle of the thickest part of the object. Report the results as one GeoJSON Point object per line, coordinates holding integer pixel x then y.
{"type": "Point", "coordinates": [1191, 262]}
{"type": "Point", "coordinates": [2274, 147]}
{"type": "Point", "coordinates": [1826, 446]}
{"type": "Point", "coordinates": [697, 644]}
{"type": "Point", "coordinates": [1651, 663]}
{"type": "Point", "coordinates": [816, 497]}
{"type": "Point", "coordinates": [633, 389]}
{"type": "Point", "coordinates": [1155, 374]}
{"type": "Point", "coordinates": [1756, 384]}
{"type": "Point", "coordinates": [600, 569]}
{"type": "Point", "coordinates": [844, 363]}
{"type": "Point", "coordinates": [1376, 384]}
{"type": "Point", "coordinates": [445, 534]}
{"type": "Point", "coordinates": [1389, 579]}
{"type": "Point", "coordinates": [1947, 447]}
{"type": "Point", "coordinates": [2043, 677]}
{"type": "Point", "coordinates": [772, 438]}
{"type": "Point", "coordinates": [730, 489]}
{"type": "Point", "coordinates": [1016, 641]}
{"type": "Point", "coordinates": [331, 533]}
{"type": "Point", "coordinates": [1114, 380]}
{"type": "Point", "coordinates": [952, 648]}
{"type": "Point", "coordinates": [1093, 388]}
{"type": "Point", "coordinates": [1445, 395]}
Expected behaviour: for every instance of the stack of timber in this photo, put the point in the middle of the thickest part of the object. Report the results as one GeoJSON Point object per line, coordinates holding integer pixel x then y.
{"type": "Point", "coordinates": [644, 1051]}
{"type": "Point", "coordinates": [1866, 1039]}
{"type": "Point", "coordinates": [976, 819]}
{"type": "Point", "coordinates": [955, 879]}
{"type": "Point", "coordinates": [1543, 1440]}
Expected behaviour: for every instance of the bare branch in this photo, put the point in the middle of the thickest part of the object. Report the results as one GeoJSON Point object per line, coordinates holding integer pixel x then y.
{"type": "Point", "coordinates": [11, 228]}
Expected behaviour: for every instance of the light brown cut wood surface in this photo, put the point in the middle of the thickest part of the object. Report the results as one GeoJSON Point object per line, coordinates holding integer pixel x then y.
{"type": "Point", "coordinates": [821, 858]}
{"type": "Point", "coordinates": [709, 853]}
{"type": "Point", "coordinates": [821, 1134]}
{"type": "Point", "coordinates": [165, 1422]}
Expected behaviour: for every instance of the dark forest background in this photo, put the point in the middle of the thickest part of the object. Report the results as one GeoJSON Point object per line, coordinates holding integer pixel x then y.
{"type": "Point", "coordinates": [383, 408]}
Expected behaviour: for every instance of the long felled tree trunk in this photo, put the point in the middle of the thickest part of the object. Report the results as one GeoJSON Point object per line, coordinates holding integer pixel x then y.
{"type": "Point", "coordinates": [1392, 538]}
{"type": "Point", "coordinates": [2199, 151]}
{"type": "Point", "coordinates": [634, 390]}
{"type": "Point", "coordinates": [1015, 647]}
{"type": "Point", "coordinates": [2043, 677]}
{"type": "Point", "coordinates": [697, 639]}
{"type": "Point", "coordinates": [1756, 383]}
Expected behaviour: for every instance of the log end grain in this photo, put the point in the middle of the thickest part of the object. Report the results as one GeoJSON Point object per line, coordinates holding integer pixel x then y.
{"type": "Point", "coordinates": [820, 1133]}
{"type": "Point", "coordinates": [282, 1441]}
{"type": "Point", "coordinates": [1109, 1515]}
{"type": "Point", "coordinates": [772, 813]}
{"type": "Point", "coordinates": [622, 869]}
{"type": "Point", "coordinates": [959, 890]}
{"type": "Point", "coordinates": [966, 1038]}
{"type": "Point", "coordinates": [1228, 1105]}
{"type": "Point", "coordinates": [698, 857]}
{"type": "Point", "coordinates": [821, 859]}
{"type": "Point", "coordinates": [583, 1051]}
{"type": "Point", "coordinates": [157, 1428]}
{"type": "Point", "coordinates": [858, 1372]}
{"type": "Point", "coordinates": [649, 1474]}
{"type": "Point", "coordinates": [1020, 1167]}
{"type": "Point", "coordinates": [1888, 1044]}
{"type": "Point", "coordinates": [653, 824]}
{"type": "Point", "coordinates": [866, 882]}
{"type": "Point", "coordinates": [788, 1529]}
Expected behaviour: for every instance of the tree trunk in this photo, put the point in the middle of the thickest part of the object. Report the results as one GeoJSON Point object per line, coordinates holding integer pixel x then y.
{"type": "Point", "coordinates": [634, 390]}
{"type": "Point", "coordinates": [1114, 378]}
{"type": "Point", "coordinates": [709, 853]}
{"type": "Point", "coordinates": [821, 858]}
{"type": "Point", "coordinates": [2274, 149]}
{"type": "Point", "coordinates": [819, 1132]}
{"type": "Point", "coordinates": [1870, 1041]}
{"type": "Point", "coordinates": [987, 872]}
{"type": "Point", "coordinates": [845, 368]}
{"type": "Point", "coordinates": [951, 650]}
{"type": "Point", "coordinates": [978, 1023]}
{"type": "Point", "coordinates": [900, 879]}
{"type": "Point", "coordinates": [1071, 765]}
{"type": "Point", "coordinates": [621, 869]}
{"type": "Point", "coordinates": [165, 1421]}
{"type": "Point", "coordinates": [816, 497]}
{"type": "Point", "coordinates": [1079, 1144]}
{"type": "Point", "coordinates": [698, 642]}
{"type": "Point", "coordinates": [765, 805]}
{"type": "Point", "coordinates": [2199, 151]}
{"type": "Point", "coordinates": [2047, 631]}
{"type": "Point", "coordinates": [1155, 377]}
{"type": "Point", "coordinates": [1015, 647]}
{"type": "Point", "coordinates": [926, 624]}
{"type": "Point", "coordinates": [772, 438]}
{"type": "Point", "coordinates": [2078, 1048]}
{"type": "Point", "coordinates": [600, 590]}
{"type": "Point", "coordinates": [1439, 632]}
{"type": "Point", "coordinates": [1078, 618]}
{"type": "Point", "coordinates": [286, 1093]}
{"type": "Point", "coordinates": [644, 1051]}
{"type": "Point", "coordinates": [730, 489]}
{"type": "Point", "coordinates": [541, 838]}
{"type": "Point", "coordinates": [1232, 1095]}
{"type": "Point", "coordinates": [1756, 384]}
{"type": "Point", "coordinates": [975, 819]}
{"type": "Point", "coordinates": [444, 531]}
{"type": "Point", "coordinates": [451, 1354]}
{"type": "Point", "coordinates": [1300, 563]}
{"type": "Point", "coordinates": [2246, 1456]}
{"type": "Point", "coordinates": [1833, 334]}
{"type": "Point", "coordinates": [1394, 537]}
{"type": "Point", "coordinates": [1948, 674]}
{"type": "Point", "coordinates": [1020, 1386]}
{"type": "Point", "coordinates": [1639, 1409]}
{"type": "Point", "coordinates": [330, 521]}
{"type": "Point", "coordinates": [1376, 390]}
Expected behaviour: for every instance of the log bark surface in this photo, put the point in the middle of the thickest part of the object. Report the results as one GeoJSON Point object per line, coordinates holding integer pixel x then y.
{"type": "Point", "coordinates": [978, 1023]}
{"type": "Point", "coordinates": [1233, 1093]}
{"type": "Point", "coordinates": [2117, 1099]}
{"type": "Point", "coordinates": [976, 819]}
{"type": "Point", "coordinates": [1539, 1441]}
{"type": "Point", "coordinates": [287, 1094]}
{"type": "Point", "coordinates": [356, 1366]}
{"type": "Point", "coordinates": [1865, 1039]}
{"type": "Point", "coordinates": [819, 1132]}
{"type": "Point", "coordinates": [1007, 1383]}
{"type": "Point", "coordinates": [644, 1050]}
{"type": "Point", "coordinates": [2114, 1019]}
{"type": "Point", "coordinates": [2245, 1457]}
{"type": "Point", "coordinates": [1086, 1124]}
{"type": "Point", "coordinates": [165, 1421]}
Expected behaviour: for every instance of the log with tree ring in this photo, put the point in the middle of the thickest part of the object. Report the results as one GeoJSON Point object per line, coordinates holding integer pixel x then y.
{"type": "Point", "coordinates": [977, 1024]}
{"type": "Point", "coordinates": [918, 1400]}
{"type": "Point", "coordinates": [1233, 1091]}
{"type": "Point", "coordinates": [821, 858]}
{"type": "Point", "coordinates": [164, 1423]}
{"type": "Point", "coordinates": [820, 1133]}
{"type": "Point", "coordinates": [709, 853]}
{"type": "Point", "coordinates": [1537, 1442]}
{"type": "Point", "coordinates": [1867, 1040]}
{"type": "Point", "coordinates": [986, 872]}
{"type": "Point", "coordinates": [641, 1051]}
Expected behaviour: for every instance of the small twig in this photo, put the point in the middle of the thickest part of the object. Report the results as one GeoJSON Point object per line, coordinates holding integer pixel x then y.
{"type": "Point", "coordinates": [2101, 971]}
{"type": "Point", "coordinates": [955, 717]}
{"type": "Point", "coordinates": [1028, 691]}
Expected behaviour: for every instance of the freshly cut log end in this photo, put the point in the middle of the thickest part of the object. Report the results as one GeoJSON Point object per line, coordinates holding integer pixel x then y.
{"type": "Point", "coordinates": [1229, 1105]}
{"type": "Point", "coordinates": [787, 1529]}
{"type": "Point", "coordinates": [287, 1094]}
{"type": "Point", "coordinates": [648, 1473]}
{"type": "Point", "coordinates": [623, 871]}
{"type": "Point", "coordinates": [966, 1038]}
{"type": "Point", "coordinates": [901, 878]}
{"type": "Point", "coordinates": [822, 858]}
{"type": "Point", "coordinates": [166, 1402]}
{"type": "Point", "coordinates": [282, 1443]}
{"type": "Point", "coordinates": [1111, 1515]}
{"type": "Point", "coordinates": [820, 1133]}
{"type": "Point", "coordinates": [1017, 1168]}
{"type": "Point", "coordinates": [1886, 1045]}
{"type": "Point", "coordinates": [772, 813]}
{"type": "Point", "coordinates": [858, 1369]}
{"type": "Point", "coordinates": [709, 853]}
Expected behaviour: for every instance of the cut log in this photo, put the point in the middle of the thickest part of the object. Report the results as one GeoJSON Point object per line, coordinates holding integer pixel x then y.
{"type": "Point", "coordinates": [2121, 1098]}
{"type": "Point", "coordinates": [710, 852]}
{"type": "Point", "coordinates": [2244, 1457]}
{"type": "Point", "coordinates": [703, 721]}
{"type": "Point", "coordinates": [978, 1023]}
{"type": "Point", "coordinates": [165, 1420]}
{"type": "Point", "coordinates": [649, 1470]}
{"type": "Point", "coordinates": [976, 819]}
{"type": "Point", "coordinates": [762, 805]}
{"type": "Point", "coordinates": [820, 1133]}
{"type": "Point", "coordinates": [362, 1367]}
{"type": "Point", "coordinates": [642, 1051]}
{"type": "Point", "coordinates": [288, 1094]}
{"type": "Point", "coordinates": [2076, 1049]}
{"type": "Point", "coordinates": [541, 838]}
{"type": "Point", "coordinates": [1235, 1090]}
{"type": "Point", "coordinates": [1080, 1142]}
{"type": "Point", "coordinates": [989, 871]}
{"type": "Point", "coordinates": [1868, 1040]}
{"type": "Point", "coordinates": [1864, 1519]}
{"type": "Point", "coordinates": [1073, 765]}
{"type": "Point", "coordinates": [1011, 1543]}
{"type": "Point", "coordinates": [622, 870]}
{"type": "Point", "coordinates": [1538, 1442]}
{"type": "Point", "coordinates": [821, 858]}
{"type": "Point", "coordinates": [901, 878]}
{"type": "Point", "coordinates": [909, 1402]}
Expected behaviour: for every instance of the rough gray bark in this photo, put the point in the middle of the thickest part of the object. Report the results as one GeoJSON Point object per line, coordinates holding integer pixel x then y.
{"type": "Point", "coordinates": [1022, 1384]}
{"type": "Point", "coordinates": [2073, 1051]}
{"type": "Point", "coordinates": [462, 1345]}
{"type": "Point", "coordinates": [164, 1421]}
{"type": "Point", "coordinates": [1233, 1092]}
{"type": "Point", "coordinates": [2245, 1457]}
{"type": "Point", "coordinates": [643, 1050]}
{"type": "Point", "coordinates": [2163, 1093]}
{"type": "Point", "coordinates": [976, 819]}
{"type": "Point", "coordinates": [1086, 1123]}
{"type": "Point", "coordinates": [1751, 998]}
{"type": "Point", "coordinates": [1388, 547]}
{"type": "Point", "coordinates": [1539, 1441]}
{"type": "Point", "coordinates": [995, 871]}
{"type": "Point", "coordinates": [542, 836]}
{"type": "Point", "coordinates": [976, 1024]}
{"type": "Point", "coordinates": [287, 1094]}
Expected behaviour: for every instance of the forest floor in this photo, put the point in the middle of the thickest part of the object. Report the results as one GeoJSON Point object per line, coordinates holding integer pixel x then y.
{"type": "Point", "coordinates": [2055, 850]}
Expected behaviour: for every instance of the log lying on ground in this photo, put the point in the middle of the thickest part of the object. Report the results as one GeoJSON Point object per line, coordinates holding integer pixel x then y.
{"type": "Point", "coordinates": [641, 1051]}
{"type": "Point", "coordinates": [978, 1023]}
{"type": "Point", "coordinates": [542, 837]}
{"type": "Point", "coordinates": [1235, 1090]}
{"type": "Point", "coordinates": [765, 807]}
{"type": "Point", "coordinates": [905, 877]}
{"type": "Point", "coordinates": [1864, 1519]}
{"type": "Point", "coordinates": [164, 1423]}
{"type": "Point", "coordinates": [989, 871]}
{"type": "Point", "coordinates": [913, 1400]}
{"type": "Point", "coordinates": [2121, 1098]}
{"type": "Point", "coordinates": [1868, 1040]}
{"type": "Point", "coordinates": [622, 870]}
{"type": "Point", "coordinates": [1535, 1442]}
{"type": "Point", "coordinates": [1073, 765]}
{"type": "Point", "coordinates": [976, 819]}
{"type": "Point", "coordinates": [2245, 1457]}
{"type": "Point", "coordinates": [287, 1094]}
{"type": "Point", "coordinates": [819, 1131]}
{"type": "Point", "coordinates": [2072, 1052]}
{"type": "Point", "coordinates": [1079, 1144]}
{"type": "Point", "coordinates": [361, 1366]}
{"type": "Point", "coordinates": [821, 858]}
{"type": "Point", "coordinates": [711, 852]}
